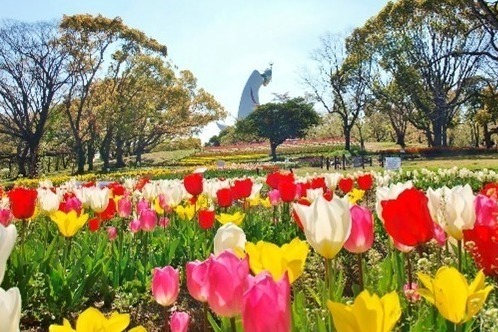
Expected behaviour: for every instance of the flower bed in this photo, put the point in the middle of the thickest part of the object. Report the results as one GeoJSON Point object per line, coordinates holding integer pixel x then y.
{"type": "Point", "coordinates": [277, 252]}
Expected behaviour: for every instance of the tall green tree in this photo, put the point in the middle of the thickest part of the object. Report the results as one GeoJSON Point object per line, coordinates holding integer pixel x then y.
{"type": "Point", "coordinates": [415, 42]}
{"type": "Point", "coordinates": [90, 40]}
{"type": "Point", "coordinates": [280, 121]}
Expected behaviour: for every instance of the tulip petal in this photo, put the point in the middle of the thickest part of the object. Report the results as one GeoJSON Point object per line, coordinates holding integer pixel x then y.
{"type": "Point", "coordinates": [450, 294]}
{"type": "Point", "coordinates": [392, 310]}
{"type": "Point", "coordinates": [475, 302]}
{"type": "Point", "coordinates": [368, 312]}
{"type": "Point", "coordinates": [90, 320]}
{"type": "Point", "coordinates": [117, 322]}
{"type": "Point", "coordinates": [343, 317]}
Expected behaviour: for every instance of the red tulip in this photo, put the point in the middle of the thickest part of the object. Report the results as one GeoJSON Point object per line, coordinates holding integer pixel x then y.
{"type": "Point", "coordinates": [241, 188]}
{"type": "Point", "coordinates": [274, 179]}
{"type": "Point", "coordinates": [490, 190]}
{"type": "Point", "coordinates": [94, 224]}
{"type": "Point", "coordinates": [346, 184]}
{"type": "Point", "coordinates": [482, 243]}
{"type": "Point", "coordinates": [224, 197]}
{"type": "Point", "coordinates": [109, 211]}
{"type": "Point", "coordinates": [407, 218]}
{"type": "Point", "coordinates": [71, 203]}
{"type": "Point", "coordinates": [365, 181]}
{"type": "Point", "coordinates": [288, 190]}
{"type": "Point", "coordinates": [22, 202]}
{"type": "Point", "coordinates": [317, 183]}
{"type": "Point", "coordinates": [206, 218]}
{"type": "Point", "coordinates": [302, 189]}
{"type": "Point", "coordinates": [193, 183]}
{"type": "Point", "coordinates": [117, 188]}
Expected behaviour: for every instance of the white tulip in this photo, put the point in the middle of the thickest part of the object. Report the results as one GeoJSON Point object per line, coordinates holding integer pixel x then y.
{"type": "Point", "coordinates": [48, 201]}
{"type": "Point", "coordinates": [229, 236]}
{"type": "Point", "coordinates": [453, 209]}
{"type": "Point", "coordinates": [99, 199]}
{"type": "Point", "coordinates": [327, 225]}
{"type": "Point", "coordinates": [8, 237]}
{"type": "Point", "coordinates": [10, 310]}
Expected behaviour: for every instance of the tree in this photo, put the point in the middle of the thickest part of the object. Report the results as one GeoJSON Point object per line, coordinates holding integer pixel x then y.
{"type": "Point", "coordinates": [341, 84]}
{"type": "Point", "coordinates": [413, 41]}
{"type": "Point", "coordinates": [280, 121]}
{"type": "Point", "coordinates": [89, 41]}
{"type": "Point", "coordinates": [32, 77]}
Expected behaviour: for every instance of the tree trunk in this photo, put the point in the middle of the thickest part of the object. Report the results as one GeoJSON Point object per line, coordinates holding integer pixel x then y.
{"type": "Point", "coordinates": [400, 139]}
{"type": "Point", "coordinates": [347, 138]}
{"type": "Point", "coordinates": [138, 156]}
{"type": "Point", "coordinates": [273, 147]}
{"type": "Point", "coordinates": [90, 155]}
{"type": "Point", "coordinates": [80, 157]}
{"type": "Point", "coordinates": [33, 160]}
{"type": "Point", "coordinates": [488, 142]}
{"type": "Point", "coordinates": [22, 152]}
{"type": "Point", "coordinates": [120, 153]}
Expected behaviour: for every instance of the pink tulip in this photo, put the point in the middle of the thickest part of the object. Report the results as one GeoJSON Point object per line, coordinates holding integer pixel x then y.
{"type": "Point", "coordinates": [124, 207]}
{"type": "Point", "coordinates": [5, 217]}
{"type": "Point", "coordinates": [227, 274]}
{"type": "Point", "coordinates": [362, 230]}
{"type": "Point", "coordinates": [142, 205]}
{"type": "Point", "coordinates": [411, 293]}
{"type": "Point", "coordinates": [274, 196]}
{"type": "Point", "coordinates": [148, 219]}
{"type": "Point", "coordinates": [439, 235]}
{"type": "Point", "coordinates": [178, 321]}
{"type": "Point", "coordinates": [112, 233]}
{"type": "Point", "coordinates": [266, 304]}
{"type": "Point", "coordinates": [135, 226]}
{"type": "Point", "coordinates": [73, 203]}
{"type": "Point", "coordinates": [165, 285]}
{"type": "Point", "coordinates": [197, 279]}
{"type": "Point", "coordinates": [486, 211]}
{"type": "Point", "coordinates": [163, 222]}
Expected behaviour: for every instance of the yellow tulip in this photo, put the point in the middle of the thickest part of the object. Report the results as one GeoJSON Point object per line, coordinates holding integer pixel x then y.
{"type": "Point", "coordinates": [69, 223]}
{"type": "Point", "coordinates": [157, 207]}
{"type": "Point", "coordinates": [454, 298]}
{"type": "Point", "coordinates": [355, 195]}
{"type": "Point", "coordinates": [92, 320]}
{"type": "Point", "coordinates": [267, 256]}
{"type": "Point", "coordinates": [186, 212]}
{"type": "Point", "coordinates": [368, 313]}
{"type": "Point", "coordinates": [235, 218]}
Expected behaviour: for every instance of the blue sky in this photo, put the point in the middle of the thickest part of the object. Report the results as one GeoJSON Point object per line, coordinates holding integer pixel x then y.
{"type": "Point", "coordinates": [223, 41]}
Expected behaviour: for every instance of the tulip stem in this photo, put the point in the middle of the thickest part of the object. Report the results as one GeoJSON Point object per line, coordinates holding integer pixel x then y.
{"type": "Point", "coordinates": [459, 254]}
{"type": "Point", "coordinates": [360, 268]}
{"type": "Point", "coordinates": [204, 316]}
{"type": "Point", "coordinates": [166, 320]}
{"type": "Point", "coordinates": [458, 327]}
{"type": "Point", "coordinates": [233, 326]}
